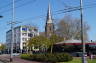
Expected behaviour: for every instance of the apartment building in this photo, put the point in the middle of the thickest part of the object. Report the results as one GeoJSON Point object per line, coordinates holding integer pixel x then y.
{"type": "Point", "coordinates": [21, 35]}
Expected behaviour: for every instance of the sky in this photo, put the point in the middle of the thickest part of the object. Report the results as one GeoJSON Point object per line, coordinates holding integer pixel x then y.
{"type": "Point", "coordinates": [33, 12]}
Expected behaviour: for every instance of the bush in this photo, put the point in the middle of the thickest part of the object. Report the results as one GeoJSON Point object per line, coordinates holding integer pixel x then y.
{"type": "Point", "coordinates": [58, 57]}
{"type": "Point", "coordinates": [63, 57]}
{"type": "Point", "coordinates": [38, 57]}
{"type": "Point", "coordinates": [26, 56]}
{"type": "Point", "coordinates": [48, 57]}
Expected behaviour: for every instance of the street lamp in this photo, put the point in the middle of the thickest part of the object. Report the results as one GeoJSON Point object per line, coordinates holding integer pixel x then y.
{"type": "Point", "coordinates": [12, 29]}
{"type": "Point", "coordinates": [84, 59]}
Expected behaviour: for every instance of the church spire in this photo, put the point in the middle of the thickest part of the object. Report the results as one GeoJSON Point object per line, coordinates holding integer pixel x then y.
{"type": "Point", "coordinates": [49, 27]}
{"type": "Point", "coordinates": [49, 16]}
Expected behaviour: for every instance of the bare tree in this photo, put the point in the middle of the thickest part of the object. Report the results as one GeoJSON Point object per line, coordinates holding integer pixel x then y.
{"type": "Point", "coordinates": [70, 28]}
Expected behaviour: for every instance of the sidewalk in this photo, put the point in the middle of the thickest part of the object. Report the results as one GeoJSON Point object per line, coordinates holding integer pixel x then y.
{"type": "Point", "coordinates": [6, 59]}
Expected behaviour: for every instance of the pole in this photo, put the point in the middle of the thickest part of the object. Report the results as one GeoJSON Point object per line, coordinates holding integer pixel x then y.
{"type": "Point", "coordinates": [84, 59]}
{"type": "Point", "coordinates": [12, 28]}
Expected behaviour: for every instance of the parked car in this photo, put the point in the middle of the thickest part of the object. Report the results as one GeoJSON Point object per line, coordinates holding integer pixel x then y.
{"type": "Point", "coordinates": [16, 54]}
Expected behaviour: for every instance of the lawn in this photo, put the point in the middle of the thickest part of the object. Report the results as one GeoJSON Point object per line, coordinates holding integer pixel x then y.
{"type": "Point", "coordinates": [78, 60]}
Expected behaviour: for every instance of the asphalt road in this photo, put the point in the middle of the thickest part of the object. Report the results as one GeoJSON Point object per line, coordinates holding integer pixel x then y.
{"type": "Point", "coordinates": [1, 62]}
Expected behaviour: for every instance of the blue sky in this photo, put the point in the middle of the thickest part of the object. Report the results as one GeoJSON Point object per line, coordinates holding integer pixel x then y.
{"type": "Point", "coordinates": [29, 11]}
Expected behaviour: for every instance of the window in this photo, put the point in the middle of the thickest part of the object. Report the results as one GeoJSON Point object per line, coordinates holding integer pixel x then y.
{"type": "Point", "coordinates": [24, 39]}
{"type": "Point", "coordinates": [35, 30]}
{"type": "Point", "coordinates": [30, 34]}
{"type": "Point", "coordinates": [24, 34]}
{"type": "Point", "coordinates": [24, 29]}
{"type": "Point", "coordinates": [30, 29]}
{"type": "Point", "coordinates": [24, 43]}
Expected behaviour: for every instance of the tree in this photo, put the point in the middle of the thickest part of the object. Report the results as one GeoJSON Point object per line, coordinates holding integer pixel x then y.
{"type": "Point", "coordinates": [2, 47]}
{"type": "Point", "coordinates": [55, 39]}
{"type": "Point", "coordinates": [39, 42]}
{"type": "Point", "coordinates": [70, 28]}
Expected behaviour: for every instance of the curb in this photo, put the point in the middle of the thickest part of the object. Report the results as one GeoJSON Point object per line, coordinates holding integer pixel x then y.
{"type": "Point", "coordinates": [4, 61]}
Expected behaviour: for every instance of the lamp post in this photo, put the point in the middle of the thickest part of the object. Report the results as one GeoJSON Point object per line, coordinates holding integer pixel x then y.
{"type": "Point", "coordinates": [12, 29]}
{"type": "Point", "coordinates": [84, 59]}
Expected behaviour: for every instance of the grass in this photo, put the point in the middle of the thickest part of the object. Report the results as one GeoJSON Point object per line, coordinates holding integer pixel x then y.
{"type": "Point", "coordinates": [78, 60]}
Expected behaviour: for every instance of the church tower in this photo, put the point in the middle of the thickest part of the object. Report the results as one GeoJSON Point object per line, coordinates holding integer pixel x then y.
{"type": "Point", "coordinates": [49, 27]}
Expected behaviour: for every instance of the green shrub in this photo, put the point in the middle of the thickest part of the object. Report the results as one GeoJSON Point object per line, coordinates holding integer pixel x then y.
{"type": "Point", "coordinates": [58, 57]}
{"type": "Point", "coordinates": [63, 57]}
{"type": "Point", "coordinates": [38, 57]}
{"type": "Point", "coordinates": [48, 57]}
{"type": "Point", "coordinates": [26, 56]}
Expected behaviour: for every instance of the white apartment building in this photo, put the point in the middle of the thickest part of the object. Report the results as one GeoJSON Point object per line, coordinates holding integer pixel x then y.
{"type": "Point", "coordinates": [0, 44]}
{"type": "Point", "coordinates": [21, 35]}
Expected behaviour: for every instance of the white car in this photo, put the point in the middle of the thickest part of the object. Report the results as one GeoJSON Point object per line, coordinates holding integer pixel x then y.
{"type": "Point", "coordinates": [16, 54]}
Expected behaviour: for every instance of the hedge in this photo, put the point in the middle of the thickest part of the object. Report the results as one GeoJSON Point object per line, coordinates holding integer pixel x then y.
{"type": "Point", "coordinates": [48, 57]}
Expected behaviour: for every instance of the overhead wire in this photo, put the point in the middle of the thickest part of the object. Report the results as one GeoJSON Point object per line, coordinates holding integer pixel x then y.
{"type": "Point", "coordinates": [63, 3]}
{"type": "Point", "coordinates": [43, 16]}
{"type": "Point", "coordinates": [57, 13]}
{"type": "Point", "coordinates": [29, 2]}
{"type": "Point", "coordinates": [70, 9]}
{"type": "Point", "coordinates": [26, 3]}
{"type": "Point", "coordinates": [4, 6]}
{"type": "Point", "coordinates": [33, 2]}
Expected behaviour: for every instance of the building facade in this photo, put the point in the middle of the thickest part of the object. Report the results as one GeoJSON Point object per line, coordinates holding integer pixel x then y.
{"type": "Point", "coordinates": [21, 35]}
{"type": "Point", "coordinates": [0, 44]}
{"type": "Point", "coordinates": [49, 27]}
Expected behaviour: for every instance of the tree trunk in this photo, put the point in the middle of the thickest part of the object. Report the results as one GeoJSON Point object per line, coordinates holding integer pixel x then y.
{"type": "Point", "coordinates": [52, 49]}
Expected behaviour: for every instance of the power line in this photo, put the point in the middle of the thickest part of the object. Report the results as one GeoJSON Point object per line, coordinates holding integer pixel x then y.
{"type": "Point", "coordinates": [78, 7]}
{"type": "Point", "coordinates": [29, 2]}
{"type": "Point", "coordinates": [89, 1]}
{"type": "Point", "coordinates": [26, 3]}
{"type": "Point", "coordinates": [65, 5]}
{"type": "Point", "coordinates": [4, 6]}
{"type": "Point", "coordinates": [57, 12]}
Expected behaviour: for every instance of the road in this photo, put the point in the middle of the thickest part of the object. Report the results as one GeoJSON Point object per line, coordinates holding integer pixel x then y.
{"type": "Point", "coordinates": [1, 62]}
{"type": "Point", "coordinates": [17, 59]}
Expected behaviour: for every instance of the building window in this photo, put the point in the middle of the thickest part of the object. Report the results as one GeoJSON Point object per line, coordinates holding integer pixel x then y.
{"type": "Point", "coordinates": [30, 34]}
{"type": "Point", "coordinates": [24, 34]}
{"type": "Point", "coordinates": [35, 30]}
{"type": "Point", "coordinates": [30, 29]}
{"type": "Point", "coordinates": [24, 44]}
{"type": "Point", "coordinates": [24, 39]}
{"type": "Point", "coordinates": [24, 29]}
{"type": "Point", "coordinates": [24, 48]}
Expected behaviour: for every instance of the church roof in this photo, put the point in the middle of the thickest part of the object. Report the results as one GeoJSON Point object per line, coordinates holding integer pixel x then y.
{"type": "Point", "coordinates": [49, 16]}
